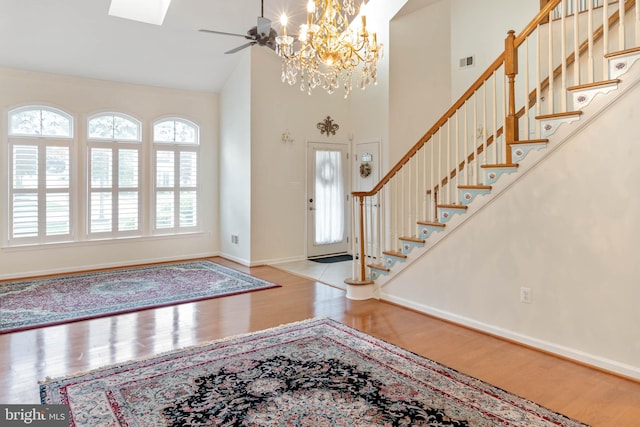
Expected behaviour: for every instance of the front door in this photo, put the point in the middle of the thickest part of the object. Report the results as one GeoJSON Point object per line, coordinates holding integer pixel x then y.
{"type": "Point", "coordinates": [327, 199]}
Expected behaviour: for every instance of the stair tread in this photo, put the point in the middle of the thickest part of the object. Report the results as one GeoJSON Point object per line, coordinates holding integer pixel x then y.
{"type": "Point", "coordinates": [594, 84]}
{"type": "Point", "coordinates": [622, 52]}
{"type": "Point", "coordinates": [529, 141]}
{"type": "Point", "coordinates": [502, 165]}
{"type": "Point", "coordinates": [433, 224]}
{"type": "Point", "coordinates": [396, 254]}
{"type": "Point", "coordinates": [413, 239]}
{"type": "Point", "coordinates": [474, 187]}
{"type": "Point", "coordinates": [558, 115]}
{"type": "Point", "coordinates": [465, 207]}
{"type": "Point", "coordinates": [381, 267]}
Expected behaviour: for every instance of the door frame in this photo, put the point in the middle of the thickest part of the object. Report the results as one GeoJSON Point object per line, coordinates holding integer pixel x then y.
{"type": "Point", "coordinates": [347, 190]}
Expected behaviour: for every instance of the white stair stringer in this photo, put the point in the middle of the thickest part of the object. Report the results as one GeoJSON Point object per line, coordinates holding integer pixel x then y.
{"type": "Point", "coordinates": [589, 113]}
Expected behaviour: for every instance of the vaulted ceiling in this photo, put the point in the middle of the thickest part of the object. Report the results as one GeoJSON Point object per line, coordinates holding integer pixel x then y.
{"type": "Point", "coordinates": [79, 38]}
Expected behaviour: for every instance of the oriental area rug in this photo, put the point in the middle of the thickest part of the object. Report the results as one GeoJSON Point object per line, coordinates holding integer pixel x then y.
{"type": "Point", "coordinates": [41, 302]}
{"type": "Point", "coordinates": [313, 373]}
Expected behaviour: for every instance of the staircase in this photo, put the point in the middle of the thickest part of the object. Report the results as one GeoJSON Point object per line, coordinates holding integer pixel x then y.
{"type": "Point", "coordinates": [550, 81]}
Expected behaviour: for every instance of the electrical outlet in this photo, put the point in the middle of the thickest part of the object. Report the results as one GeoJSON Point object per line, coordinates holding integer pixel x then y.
{"type": "Point", "coordinates": [234, 239]}
{"type": "Point", "coordinates": [525, 295]}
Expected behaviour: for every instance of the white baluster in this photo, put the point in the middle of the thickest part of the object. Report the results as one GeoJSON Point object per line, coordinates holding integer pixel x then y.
{"type": "Point", "coordinates": [538, 79]}
{"type": "Point", "coordinates": [637, 28]}
{"type": "Point", "coordinates": [484, 116]}
{"type": "Point", "coordinates": [605, 37]}
{"type": "Point", "coordinates": [526, 89]}
{"type": "Point", "coordinates": [440, 159]}
{"type": "Point", "coordinates": [495, 119]}
{"type": "Point", "coordinates": [432, 185]}
{"type": "Point", "coordinates": [448, 170]}
{"type": "Point", "coordinates": [456, 162]}
{"type": "Point", "coordinates": [466, 144]}
{"type": "Point", "coordinates": [550, 99]}
{"type": "Point", "coordinates": [576, 45]}
{"type": "Point", "coordinates": [563, 55]}
{"type": "Point", "coordinates": [590, 60]}
{"type": "Point", "coordinates": [621, 10]}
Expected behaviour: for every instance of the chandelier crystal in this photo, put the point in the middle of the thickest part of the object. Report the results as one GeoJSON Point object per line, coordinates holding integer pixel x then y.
{"type": "Point", "coordinates": [329, 50]}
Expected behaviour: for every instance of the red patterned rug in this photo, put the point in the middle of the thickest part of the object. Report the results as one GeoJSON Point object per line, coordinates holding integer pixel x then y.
{"type": "Point", "coordinates": [35, 303]}
{"type": "Point", "coordinates": [312, 373]}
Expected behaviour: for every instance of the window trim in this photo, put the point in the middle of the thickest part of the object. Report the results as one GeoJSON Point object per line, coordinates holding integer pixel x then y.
{"type": "Point", "coordinates": [41, 142]}
{"type": "Point", "coordinates": [177, 147]}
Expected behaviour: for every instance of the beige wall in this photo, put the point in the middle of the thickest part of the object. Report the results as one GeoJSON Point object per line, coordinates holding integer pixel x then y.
{"type": "Point", "coordinates": [82, 97]}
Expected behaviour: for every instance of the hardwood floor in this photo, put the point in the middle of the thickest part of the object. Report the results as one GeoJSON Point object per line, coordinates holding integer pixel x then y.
{"type": "Point", "coordinates": [589, 395]}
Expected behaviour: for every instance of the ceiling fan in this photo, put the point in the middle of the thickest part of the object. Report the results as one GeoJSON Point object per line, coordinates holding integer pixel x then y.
{"type": "Point", "coordinates": [262, 34]}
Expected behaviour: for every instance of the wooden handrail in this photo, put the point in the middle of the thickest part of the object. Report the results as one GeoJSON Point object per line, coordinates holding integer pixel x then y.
{"type": "Point", "coordinates": [539, 19]}
{"type": "Point", "coordinates": [459, 103]}
{"type": "Point", "coordinates": [509, 57]}
{"type": "Point", "coordinates": [425, 138]}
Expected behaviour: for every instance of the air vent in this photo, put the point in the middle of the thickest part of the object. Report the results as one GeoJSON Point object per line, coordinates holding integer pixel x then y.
{"type": "Point", "coordinates": [467, 61]}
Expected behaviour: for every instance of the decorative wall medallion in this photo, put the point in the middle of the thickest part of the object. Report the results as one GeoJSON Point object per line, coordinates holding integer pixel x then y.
{"type": "Point", "coordinates": [581, 99]}
{"type": "Point", "coordinates": [492, 175]}
{"type": "Point", "coordinates": [620, 65]}
{"type": "Point", "coordinates": [519, 152]}
{"type": "Point", "coordinates": [467, 196]}
{"type": "Point", "coordinates": [548, 127]}
{"type": "Point", "coordinates": [328, 126]}
{"type": "Point", "coordinates": [445, 214]}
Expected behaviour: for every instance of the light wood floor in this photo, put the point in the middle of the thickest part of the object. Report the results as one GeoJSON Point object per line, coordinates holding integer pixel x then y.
{"type": "Point", "coordinates": [589, 395]}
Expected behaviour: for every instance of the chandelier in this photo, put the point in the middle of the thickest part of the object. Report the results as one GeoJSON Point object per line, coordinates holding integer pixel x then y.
{"type": "Point", "coordinates": [328, 49]}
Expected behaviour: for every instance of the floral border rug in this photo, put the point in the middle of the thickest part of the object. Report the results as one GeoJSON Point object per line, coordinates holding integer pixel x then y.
{"type": "Point", "coordinates": [312, 373]}
{"type": "Point", "coordinates": [34, 303]}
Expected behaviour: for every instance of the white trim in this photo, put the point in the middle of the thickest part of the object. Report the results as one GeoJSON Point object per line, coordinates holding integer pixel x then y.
{"type": "Point", "coordinates": [557, 349]}
{"type": "Point", "coordinates": [100, 266]}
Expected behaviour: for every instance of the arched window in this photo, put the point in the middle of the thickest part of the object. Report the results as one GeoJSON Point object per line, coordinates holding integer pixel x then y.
{"type": "Point", "coordinates": [114, 146]}
{"type": "Point", "coordinates": [41, 187]}
{"type": "Point", "coordinates": [35, 120]}
{"type": "Point", "coordinates": [175, 159]}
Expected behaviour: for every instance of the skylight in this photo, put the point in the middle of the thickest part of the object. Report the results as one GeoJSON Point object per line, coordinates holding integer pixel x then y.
{"type": "Point", "coordinates": [149, 11]}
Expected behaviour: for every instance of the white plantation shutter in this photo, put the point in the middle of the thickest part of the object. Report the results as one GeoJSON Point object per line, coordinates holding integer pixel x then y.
{"type": "Point", "coordinates": [44, 171]}
{"type": "Point", "coordinates": [114, 141]}
{"type": "Point", "coordinates": [176, 145]}
{"type": "Point", "coordinates": [40, 188]}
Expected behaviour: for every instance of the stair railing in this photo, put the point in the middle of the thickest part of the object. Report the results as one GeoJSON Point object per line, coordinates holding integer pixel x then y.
{"type": "Point", "coordinates": [557, 51]}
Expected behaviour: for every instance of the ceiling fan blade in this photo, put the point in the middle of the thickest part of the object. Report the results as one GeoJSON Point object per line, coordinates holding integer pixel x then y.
{"type": "Point", "coordinates": [244, 36]}
{"type": "Point", "coordinates": [264, 26]}
{"type": "Point", "coordinates": [239, 48]}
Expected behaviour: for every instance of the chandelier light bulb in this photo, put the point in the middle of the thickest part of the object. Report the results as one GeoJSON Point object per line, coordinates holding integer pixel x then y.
{"type": "Point", "coordinates": [283, 24]}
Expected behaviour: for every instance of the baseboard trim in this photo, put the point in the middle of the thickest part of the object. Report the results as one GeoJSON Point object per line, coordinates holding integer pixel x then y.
{"type": "Point", "coordinates": [574, 355]}
{"type": "Point", "coordinates": [102, 266]}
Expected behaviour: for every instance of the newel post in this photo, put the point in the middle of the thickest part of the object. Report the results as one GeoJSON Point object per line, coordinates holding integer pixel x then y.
{"type": "Point", "coordinates": [511, 70]}
{"type": "Point", "coordinates": [361, 237]}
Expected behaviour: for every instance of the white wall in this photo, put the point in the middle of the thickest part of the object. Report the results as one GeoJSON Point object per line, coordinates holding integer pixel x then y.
{"type": "Point", "coordinates": [278, 193]}
{"type": "Point", "coordinates": [235, 162]}
{"type": "Point", "coordinates": [479, 28]}
{"type": "Point", "coordinates": [420, 74]}
{"type": "Point", "coordinates": [370, 107]}
{"type": "Point", "coordinates": [82, 97]}
{"type": "Point", "coordinates": [568, 230]}
{"type": "Point", "coordinates": [263, 193]}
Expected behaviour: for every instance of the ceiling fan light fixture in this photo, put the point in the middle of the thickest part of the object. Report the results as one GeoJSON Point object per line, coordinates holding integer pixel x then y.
{"type": "Point", "coordinates": [148, 11]}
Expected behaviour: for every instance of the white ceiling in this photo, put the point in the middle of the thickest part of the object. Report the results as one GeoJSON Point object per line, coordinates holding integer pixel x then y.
{"type": "Point", "coordinates": [78, 37]}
